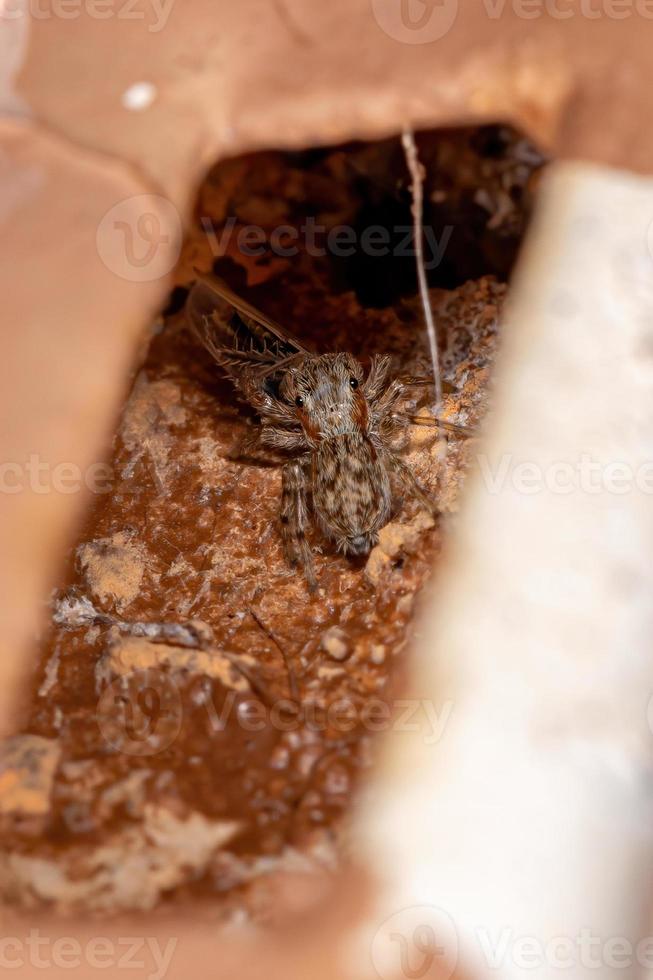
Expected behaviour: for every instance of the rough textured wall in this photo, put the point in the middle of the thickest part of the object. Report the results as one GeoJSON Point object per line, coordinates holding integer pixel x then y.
{"type": "Point", "coordinates": [245, 75]}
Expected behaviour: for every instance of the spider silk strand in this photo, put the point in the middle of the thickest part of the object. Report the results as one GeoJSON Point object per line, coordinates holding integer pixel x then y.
{"type": "Point", "coordinates": [417, 193]}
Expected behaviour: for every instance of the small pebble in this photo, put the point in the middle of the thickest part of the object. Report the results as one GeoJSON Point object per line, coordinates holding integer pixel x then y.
{"type": "Point", "coordinates": [327, 672]}
{"type": "Point", "coordinates": [294, 739]}
{"type": "Point", "coordinates": [334, 642]}
{"type": "Point", "coordinates": [336, 781]}
{"type": "Point", "coordinates": [307, 760]}
{"type": "Point", "coordinates": [280, 758]}
{"type": "Point", "coordinates": [377, 655]}
{"type": "Point", "coordinates": [405, 604]}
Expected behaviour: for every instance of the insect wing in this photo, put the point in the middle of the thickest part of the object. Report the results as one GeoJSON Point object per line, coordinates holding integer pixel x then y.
{"type": "Point", "coordinates": [235, 332]}
{"type": "Point", "coordinates": [247, 311]}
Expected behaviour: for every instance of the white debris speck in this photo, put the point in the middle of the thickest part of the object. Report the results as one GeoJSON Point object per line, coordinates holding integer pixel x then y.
{"type": "Point", "coordinates": [377, 655]}
{"type": "Point", "coordinates": [139, 96]}
{"type": "Point", "coordinates": [73, 612]}
{"type": "Point", "coordinates": [334, 642]}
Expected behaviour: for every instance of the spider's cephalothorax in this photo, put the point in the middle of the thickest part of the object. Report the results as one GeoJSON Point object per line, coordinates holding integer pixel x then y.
{"type": "Point", "coordinates": [328, 424]}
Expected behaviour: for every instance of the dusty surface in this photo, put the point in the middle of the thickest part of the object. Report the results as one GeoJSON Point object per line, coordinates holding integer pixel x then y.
{"type": "Point", "coordinates": [293, 73]}
{"type": "Point", "coordinates": [27, 767]}
{"type": "Point", "coordinates": [247, 73]}
{"type": "Point", "coordinates": [67, 354]}
{"type": "Point", "coordinates": [199, 696]}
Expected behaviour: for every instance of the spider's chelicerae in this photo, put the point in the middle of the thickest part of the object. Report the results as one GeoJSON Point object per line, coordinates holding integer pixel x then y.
{"type": "Point", "coordinates": [327, 423]}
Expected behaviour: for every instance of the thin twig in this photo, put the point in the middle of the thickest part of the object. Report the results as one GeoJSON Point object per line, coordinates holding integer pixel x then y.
{"type": "Point", "coordinates": [292, 677]}
{"type": "Point", "coordinates": [417, 192]}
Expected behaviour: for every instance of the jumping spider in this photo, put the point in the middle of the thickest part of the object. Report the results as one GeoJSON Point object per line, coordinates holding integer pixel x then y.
{"type": "Point", "coordinates": [327, 423]}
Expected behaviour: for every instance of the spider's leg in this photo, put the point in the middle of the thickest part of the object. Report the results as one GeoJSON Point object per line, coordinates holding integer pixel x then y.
{"type": "Point", "coordinates": [407, 478]}
{"type": "Point", "coordinates": [377, 378]}
{"type": "Point", "coordinates": [283, 440]}
{"type": "Point", "coordinates": [405, 419]}
{"type": "Point", "coordinates": [397, 389]}
{"type": "Point", "coordinates": [386, 401]}
{"type": "Point", "coordinates": [420, 381]}
{"type": "Point", "coordinates": [249, 448]}
{"type": "Point", "coordinates": [271, 445]}
{"type": "Point", "coordinates": [295, 518]}
{"type": "Point", "coordinates": [271, 409]}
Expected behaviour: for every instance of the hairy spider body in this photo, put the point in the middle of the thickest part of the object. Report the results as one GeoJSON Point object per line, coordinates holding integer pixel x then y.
{"type": "Point", "coordinates": [327, 424]}
{"type": "Point", "coordinates": [351, 491]}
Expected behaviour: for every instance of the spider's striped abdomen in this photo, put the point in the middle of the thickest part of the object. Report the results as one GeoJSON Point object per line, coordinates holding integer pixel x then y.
{"type": "Point", "coordinates": [351, 491]}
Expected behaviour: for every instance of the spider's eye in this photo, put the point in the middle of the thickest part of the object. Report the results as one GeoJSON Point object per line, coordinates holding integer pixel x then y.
{"type": "Point", "coordinates": [353, 383]}
{"type": "Point", "coordinates": [299, 401]}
